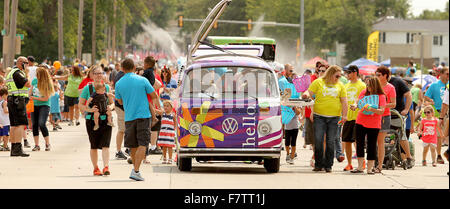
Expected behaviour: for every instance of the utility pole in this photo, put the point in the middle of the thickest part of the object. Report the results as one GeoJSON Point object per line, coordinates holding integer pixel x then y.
{"type": "Point", "coordinates": [124, 36]}
{"type": "Point", "coordinates": [421, 59]}
{"type": "Point", "coordinates": [94, 22]}
{"type": "Point", "coordinates": [12, 33]}
{"type": "Point", "coordinates": [60, 31]}
{"type": "Point", "coordinates": [80, 29]}
{"type": "Point", "coordinates": [114, 32]}
{"type": "Point", "coordinates": [302, 33]}
{"type": "Point", "coordinates": [6, 35]}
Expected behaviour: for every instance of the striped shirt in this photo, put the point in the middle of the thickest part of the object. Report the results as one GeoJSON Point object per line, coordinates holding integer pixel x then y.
{"type": "Point", "coordinates": [167, 132]}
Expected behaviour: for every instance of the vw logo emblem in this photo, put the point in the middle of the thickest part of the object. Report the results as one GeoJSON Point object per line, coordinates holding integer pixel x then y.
{"type": "Point", "coordinates": [230, 126]}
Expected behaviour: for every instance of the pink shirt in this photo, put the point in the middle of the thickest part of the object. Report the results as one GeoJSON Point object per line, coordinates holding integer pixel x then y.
{"type": "Point", "coordinates": [429, 131]}
{"type": "Point", "coordinates": [370, 121]}
{"type": "Point", "coordinates": [389, 91]}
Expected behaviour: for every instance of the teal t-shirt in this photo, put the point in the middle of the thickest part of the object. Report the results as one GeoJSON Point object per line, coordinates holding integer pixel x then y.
{"type": "Point", "coordinates": [36, 93]}
{"type": "Point", "coordinates": [85, 94]}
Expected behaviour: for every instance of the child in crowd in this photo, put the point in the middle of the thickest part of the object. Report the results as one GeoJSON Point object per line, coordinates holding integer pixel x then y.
{"type": "Point", "coordinates": [55, 110]}
{"type": "Point", "coordinates": [428, 129]}
{"type": "Point", "coordinates": [4, 119]}
{"type": "Point", "coordinates": [166, 138]}
{"type": "Point", "coordinates": [99, 98]}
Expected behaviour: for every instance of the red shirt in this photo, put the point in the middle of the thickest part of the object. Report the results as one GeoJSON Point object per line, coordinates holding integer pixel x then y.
{"type": "Point", "coordinates": [389, 91]}
{"type": "Point", "coordinates": [370, 121]}
{"type": "Point", "coordinates": [429, 128]}
{"type": "Point", "coordinates": [314, 77]}
{"type": "Point", "coordinates": [85, 82]}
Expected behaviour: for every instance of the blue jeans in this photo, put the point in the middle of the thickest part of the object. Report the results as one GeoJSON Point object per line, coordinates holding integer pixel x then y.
{"type": "Point", "coordinates": [39, 120]}
{"type": "Point", "coordinates": [322, 126]}
{"type": "Point", "coordinates": [338, 143]}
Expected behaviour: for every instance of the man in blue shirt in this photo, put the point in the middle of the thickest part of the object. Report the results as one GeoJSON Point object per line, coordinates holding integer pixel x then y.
{"type": "Point", "coordinates": [435, 95]}
{"type": "Point", "coordinates": [131, 92]}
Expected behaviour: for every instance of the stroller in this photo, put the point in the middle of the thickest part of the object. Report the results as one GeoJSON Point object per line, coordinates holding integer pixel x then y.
{"type": "Point", "coordinates": [393, 150]}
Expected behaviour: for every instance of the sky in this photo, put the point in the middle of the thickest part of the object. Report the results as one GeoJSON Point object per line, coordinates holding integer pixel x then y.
{"type": "Point", "coordinates": [417, 6]}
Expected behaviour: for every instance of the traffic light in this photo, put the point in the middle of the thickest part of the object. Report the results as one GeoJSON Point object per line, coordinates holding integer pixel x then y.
{"type": "Point", "coordinates": [180, 21]}
{"type": "Point", "coordinates": [249, 24]}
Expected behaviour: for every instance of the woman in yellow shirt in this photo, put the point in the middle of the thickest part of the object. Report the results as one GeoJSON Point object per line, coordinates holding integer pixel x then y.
{"type": "Point", "coordinates": [330, 104]}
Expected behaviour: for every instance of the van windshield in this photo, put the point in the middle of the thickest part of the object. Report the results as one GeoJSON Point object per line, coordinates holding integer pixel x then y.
{"type": "Point", "coordinates": [230, 83]}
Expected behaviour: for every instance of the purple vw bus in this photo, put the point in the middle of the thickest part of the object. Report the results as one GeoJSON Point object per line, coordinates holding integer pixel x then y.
{"type": "Point", "coordinates": [229, 110]}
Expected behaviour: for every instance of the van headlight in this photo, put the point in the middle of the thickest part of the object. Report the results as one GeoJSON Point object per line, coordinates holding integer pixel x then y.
{"type": "Point", "coordinates": [264, 128]}
{"type": "Point", "coordinates": [195, 128]}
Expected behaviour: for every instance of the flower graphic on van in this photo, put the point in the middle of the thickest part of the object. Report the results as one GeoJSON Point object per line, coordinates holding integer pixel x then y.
{"type": "Point", "coordinates": [196, 127]}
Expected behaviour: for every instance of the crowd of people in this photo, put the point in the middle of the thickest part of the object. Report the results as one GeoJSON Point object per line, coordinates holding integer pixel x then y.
{"type": "Point", "coordinates": [337, 123]}
{"type": "Point", "coordinates": [31, 94]}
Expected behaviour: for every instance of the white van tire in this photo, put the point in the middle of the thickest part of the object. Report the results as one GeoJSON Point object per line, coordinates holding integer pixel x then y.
{"type": "Point", "coordinates": [184, 164]}
{"type": "Point", "coordinates": [272, 165]}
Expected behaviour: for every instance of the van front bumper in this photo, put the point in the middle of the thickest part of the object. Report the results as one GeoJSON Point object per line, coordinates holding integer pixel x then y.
{"type": "Point", "coordinates": [230, 152]}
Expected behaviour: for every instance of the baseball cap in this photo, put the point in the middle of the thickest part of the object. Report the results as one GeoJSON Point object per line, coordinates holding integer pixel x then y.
{"type": "Point", "coordinates": [352, 68]}
{"type": "Point", "coordinates": [30, 58]}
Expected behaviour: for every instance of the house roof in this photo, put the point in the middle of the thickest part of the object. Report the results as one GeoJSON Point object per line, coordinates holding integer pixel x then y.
{"type": "Point", "coordinates": [434, 26]}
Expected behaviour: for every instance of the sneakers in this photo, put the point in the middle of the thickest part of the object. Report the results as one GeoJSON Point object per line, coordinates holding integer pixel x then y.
{"type": "Point", "coordinates": [341, 158]}
{"type": "Point", "coordinates": [440, 160]}
{"type": "Point", "coordinates": [410, 163]}
{"type": "Point", "coordinates": [434, 164]}
{"type": "Point", "coordinates": [127, 151]}
{"type": "Point", "coordinates": [36, 148]}
{"type": "Point", "coordinates": [288, 158]}
{"type": "Point", "coordinates": [77, 123]}
{"type": "Point", "coordinates": [291, 161]}
{"type": "Point", "coordinates": [446, 155]}
{"type": "Point", "coordinates": [70, 123]}
{"type": "Point", "coordinates": [97, 172]}
{"type": "Point", "coordinates": [170, 161]}
{"type": "Point", "coordinates": [164, 161]}
{"type": "Point", "coordinates": [55, 129]}
{"type": "Point", "coordinates": [47, 147]}
{"type": "Point", "coordinates": [120, 156]}
{"type": "Point", "coordinates": [424, 163]}
{"type": "Point", "coordinates": [317, 169]}
{"type": "Point", "coordinates": [136, 176]}
{"type": "Point", "coordinates": [328, 170]}
{"type": "Point", "coordinates": [106, 171]}
{"type": "Point", "coordinates": [26, 144]}
{"type": "Point", "coordinates": [155, 151]}
{"type": "Point", "coordinates": [58, 127]}
{"type": "Point", "coordinates": [348, 168]}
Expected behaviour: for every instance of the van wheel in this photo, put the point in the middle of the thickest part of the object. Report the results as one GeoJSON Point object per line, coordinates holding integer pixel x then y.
{"type": "Point", "coordinates": [185, 164]}
{"type": "Point", "coordinates": [272, 165]}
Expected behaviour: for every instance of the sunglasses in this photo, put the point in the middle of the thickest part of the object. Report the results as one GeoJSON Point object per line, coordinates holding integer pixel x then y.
{"type": "Point", "coordinates": [427, 112]}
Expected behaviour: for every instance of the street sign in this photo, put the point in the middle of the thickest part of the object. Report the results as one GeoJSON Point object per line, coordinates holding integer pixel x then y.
{"type": "Point", "coordinates": [331, 54]}
{"type": "Point", "coordinates": [21, 36]}
{"type": "Point", "coordinates": [325, 50]}
{"type": "Point", "coordinates": [3, 32]}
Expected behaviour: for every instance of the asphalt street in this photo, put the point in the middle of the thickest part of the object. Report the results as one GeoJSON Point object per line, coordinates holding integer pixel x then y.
{"type": "Point", "coordinates": [68, 166]}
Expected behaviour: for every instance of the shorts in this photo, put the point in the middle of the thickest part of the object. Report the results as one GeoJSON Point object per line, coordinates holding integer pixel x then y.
{"type": "Point", "coordinates": [120, 119]}
{"type": "Point", "coordinates": [70, 101]}
{"type": "Point", "coordinates": [157, 126]}
{"type": "Point", "coordinates": [17, 112]}
{"type": "Point", "coordinates": [290, 137]}
{"type": "Point", "coordinates": [102, 137]}
{"type": "Point", "coordinates": [309, 132]}
{"type": "Point", "coordinates": [349, 131]}
{"type": "Point", "coordinates": [4, 131]}
{"type": "Point", "coordinates": [56, 117]}
{"type": "Point", "coordinates": [385, 123]}
{"type": "Point", "coordinates": [137, 133]}
{"type": "Point", "coordinates": [429, 144]}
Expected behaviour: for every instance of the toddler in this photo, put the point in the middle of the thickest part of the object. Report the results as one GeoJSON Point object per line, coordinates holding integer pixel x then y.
{"type": "Point", "coordinates": [4, 119]}
{"type": "Point", "coordinates": [166, 138]}
{"type": "Point", "coordinates": [428, 129]}
{"type": "Point", "coordinates": [100, 99]}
